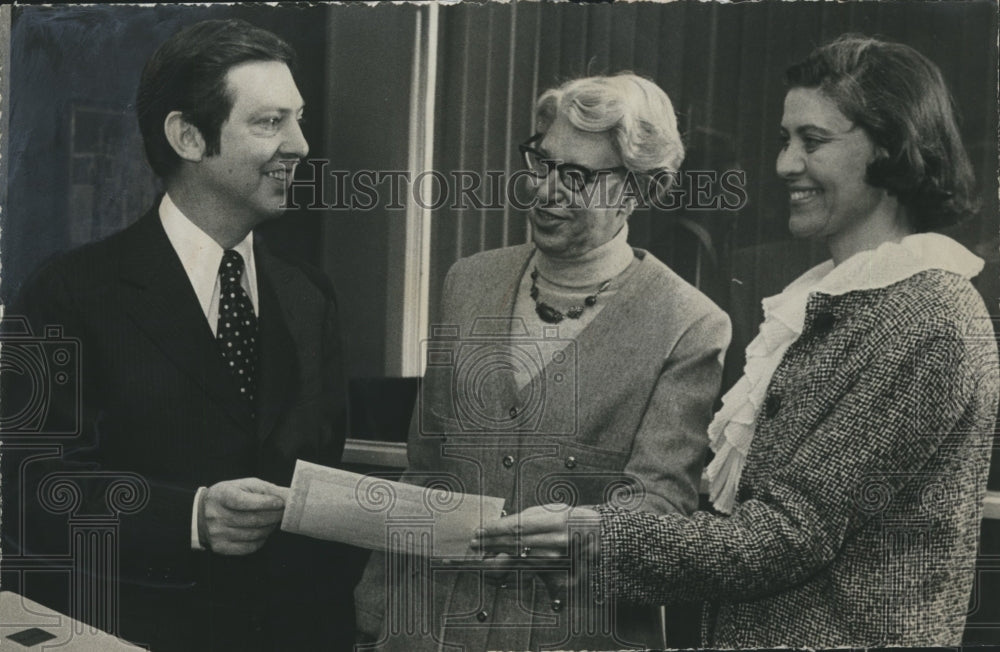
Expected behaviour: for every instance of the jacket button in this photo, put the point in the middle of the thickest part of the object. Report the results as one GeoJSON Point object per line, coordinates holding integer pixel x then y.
{"type": "Point", "coordinates": [570, 462]}
{"type": "Point", "coordinates": [482, 616]}
{"type": "Point", "coordinates": [772, 405]}
{"type": "Point", "coordinates": [508, 461]}
{"type": "Point", "coordinates": [823, 321]}
{"type": "Point", "coordinates": [513, 412]}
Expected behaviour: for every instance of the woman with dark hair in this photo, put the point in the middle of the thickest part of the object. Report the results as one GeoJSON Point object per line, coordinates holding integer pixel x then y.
{"type": "Point", "coordinates": [851, 458]}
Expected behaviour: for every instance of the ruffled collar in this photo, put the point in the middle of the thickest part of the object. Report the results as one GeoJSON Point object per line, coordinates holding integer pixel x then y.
{"type": "Point", "coordinates": [731, 431]}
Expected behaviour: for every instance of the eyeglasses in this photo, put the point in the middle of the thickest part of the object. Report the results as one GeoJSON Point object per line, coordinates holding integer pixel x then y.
{"type": "Point", "coordinates": [574, 177]}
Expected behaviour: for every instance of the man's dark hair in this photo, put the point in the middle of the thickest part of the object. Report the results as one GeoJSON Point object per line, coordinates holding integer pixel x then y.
{"type": "Point", "coordinates": [899, 98]}
{"type": "Point", "coordinates": [188, 74]}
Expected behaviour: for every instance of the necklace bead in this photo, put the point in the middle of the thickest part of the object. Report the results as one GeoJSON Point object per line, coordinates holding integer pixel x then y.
{"type": "Point", "coordinates": [551, 315]}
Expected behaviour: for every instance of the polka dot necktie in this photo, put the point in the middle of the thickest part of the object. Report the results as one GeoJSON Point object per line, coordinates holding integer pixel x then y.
{"type": "Point", "coordinates": [237, 330]}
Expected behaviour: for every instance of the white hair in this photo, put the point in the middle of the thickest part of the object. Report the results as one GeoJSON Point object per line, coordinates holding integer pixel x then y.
{"type": "Point", "coordinates": [637, 113]}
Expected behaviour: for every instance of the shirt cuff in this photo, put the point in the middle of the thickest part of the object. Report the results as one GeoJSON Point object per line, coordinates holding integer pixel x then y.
{"type": "Point", "coordinates": [195, 541]}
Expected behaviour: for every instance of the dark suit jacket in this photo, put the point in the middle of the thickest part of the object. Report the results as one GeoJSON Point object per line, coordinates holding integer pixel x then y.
{"type": "Point", "coordinates": [157, 401]}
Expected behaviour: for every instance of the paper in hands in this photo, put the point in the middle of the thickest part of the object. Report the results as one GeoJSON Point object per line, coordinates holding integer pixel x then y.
{"type": "Point", "coordinates": [375, 513]}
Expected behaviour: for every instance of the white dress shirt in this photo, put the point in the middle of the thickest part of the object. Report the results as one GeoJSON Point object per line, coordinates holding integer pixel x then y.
{"type": "Point", "coordinates": [201, 257]}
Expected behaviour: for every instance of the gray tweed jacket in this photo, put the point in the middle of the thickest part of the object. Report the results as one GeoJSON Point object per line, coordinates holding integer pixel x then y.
{"type": "Point", "coordinates": [858, 511]}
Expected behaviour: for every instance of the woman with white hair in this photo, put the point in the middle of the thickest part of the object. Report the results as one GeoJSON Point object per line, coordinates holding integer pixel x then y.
{"type": "Point", "coordinates": [607, 367]}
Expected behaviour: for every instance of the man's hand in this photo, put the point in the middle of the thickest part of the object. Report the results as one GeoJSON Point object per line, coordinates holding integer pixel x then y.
{"type": "Point", "coordinates": [235, 517]}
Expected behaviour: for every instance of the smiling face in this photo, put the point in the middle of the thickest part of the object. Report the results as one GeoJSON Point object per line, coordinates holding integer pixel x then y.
{"type": "Point", "coordinates": [260, 143]}
{"type": "Point", "coordinates": [823, 160]}
{"type": "Point", "coordinates": [567, 224]}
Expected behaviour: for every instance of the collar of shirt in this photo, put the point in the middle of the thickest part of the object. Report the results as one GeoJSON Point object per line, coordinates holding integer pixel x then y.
{"type": "Point", "coordinates": [201, 256]}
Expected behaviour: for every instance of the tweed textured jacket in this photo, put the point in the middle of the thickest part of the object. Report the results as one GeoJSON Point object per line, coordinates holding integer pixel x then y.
{"type": "Point", "coordinates": [633, 403]}
{"type": "Point", "coordinates": [857, 515]}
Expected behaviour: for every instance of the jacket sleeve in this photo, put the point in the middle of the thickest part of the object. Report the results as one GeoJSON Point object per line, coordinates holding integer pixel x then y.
{"type": "Point", "coordinates": [903, 404]}
{"type": "Point", "coordinates": [335, 418]}
{"type": "Point", "coordinates": [668, 453]}
{"type": "Point", "coordinates": [155, 513]}
{"type": "Point", "coordinates": [312, 581]}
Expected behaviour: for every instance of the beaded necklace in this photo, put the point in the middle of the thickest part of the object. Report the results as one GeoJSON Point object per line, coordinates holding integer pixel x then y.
{"type": "Point", "coordinates": [551, 315]}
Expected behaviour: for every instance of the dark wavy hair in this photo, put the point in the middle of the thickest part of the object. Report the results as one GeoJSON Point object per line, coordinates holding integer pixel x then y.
{"type": "Point", "coordinates": [188, 74]}
{"type": "Point", "coordinates": [900, 99]}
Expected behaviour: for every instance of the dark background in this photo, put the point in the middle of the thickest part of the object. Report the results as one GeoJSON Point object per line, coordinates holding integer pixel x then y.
{"type": "Point", "coordinates": [76, 171]}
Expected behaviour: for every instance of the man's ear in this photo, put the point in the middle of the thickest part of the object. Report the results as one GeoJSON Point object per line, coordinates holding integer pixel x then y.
{"type": "Point", "coordinates": [184, 137]}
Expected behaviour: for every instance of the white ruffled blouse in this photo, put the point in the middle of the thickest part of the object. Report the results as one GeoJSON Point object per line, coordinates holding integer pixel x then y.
{"type": "Point", "coordinates": [732, 428]}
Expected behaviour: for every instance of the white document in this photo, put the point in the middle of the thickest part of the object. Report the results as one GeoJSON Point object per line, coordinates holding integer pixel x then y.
{"type": "Point", "coordinates": [372, 512]}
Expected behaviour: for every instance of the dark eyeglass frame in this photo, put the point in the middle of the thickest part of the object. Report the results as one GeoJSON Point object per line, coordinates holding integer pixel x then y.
{"type": "Point", "coordinates": [574, 177]}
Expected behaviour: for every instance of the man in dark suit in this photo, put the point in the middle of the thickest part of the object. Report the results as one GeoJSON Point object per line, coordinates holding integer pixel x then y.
{"type": "Point", "coordinates": [208, 365]}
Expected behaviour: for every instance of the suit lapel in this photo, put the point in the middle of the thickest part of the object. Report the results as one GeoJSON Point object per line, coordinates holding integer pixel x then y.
{"type": "Point", "coordinates": [276, 370]}
{"type": "Point", "coordinates": [488, 305]}
{"type": "Point", "coordinates": [490, 318]}
{"type": "Point", "coordinates": [619, 316]}
{"type": "Point", "coordinates": [160, 299]}
{"type": "Point", "coordinates": [590, 348]}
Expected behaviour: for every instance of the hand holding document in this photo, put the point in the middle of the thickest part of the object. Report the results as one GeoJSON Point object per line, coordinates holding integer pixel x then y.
{"type": "Point", "coordinates": [372, 512]}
